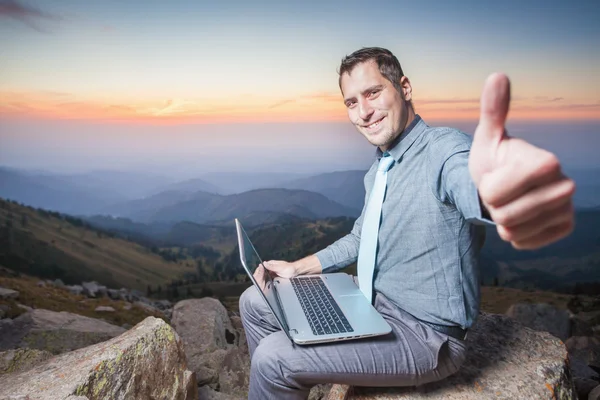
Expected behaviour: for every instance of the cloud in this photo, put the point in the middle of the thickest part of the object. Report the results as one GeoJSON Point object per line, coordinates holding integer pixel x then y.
{"type": "Point", "coordinates": [30, 16]}
{"type": "Point", "coordinates": [545, 99]}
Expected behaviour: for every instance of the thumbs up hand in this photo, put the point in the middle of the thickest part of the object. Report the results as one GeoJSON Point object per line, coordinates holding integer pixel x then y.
{"type": "Point", "coordinates": [521, 186]}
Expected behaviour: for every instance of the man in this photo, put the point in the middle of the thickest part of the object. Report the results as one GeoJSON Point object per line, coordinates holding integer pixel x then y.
{"type": "Point", "coordinates": [441, 188]}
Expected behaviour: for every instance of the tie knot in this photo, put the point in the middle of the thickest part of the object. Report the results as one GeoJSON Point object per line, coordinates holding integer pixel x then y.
{"type": "Point", "coordinates": [385, 163]}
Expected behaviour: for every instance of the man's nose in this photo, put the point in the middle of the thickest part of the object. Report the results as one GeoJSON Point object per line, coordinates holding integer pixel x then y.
{"type": "Point", "coordinates": [364, 110]}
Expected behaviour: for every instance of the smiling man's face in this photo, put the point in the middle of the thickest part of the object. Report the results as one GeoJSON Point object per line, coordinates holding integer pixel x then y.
{"type": "Point", "coordinates": [375, 107]}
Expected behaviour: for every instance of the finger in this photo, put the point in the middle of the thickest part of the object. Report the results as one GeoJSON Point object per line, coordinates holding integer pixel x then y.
{"type": "Point", "coordinates": [548, 236]}
{"type": "Point", "coordinates": [523, 232]}
{"type": "Point", "coordinates": [494, 104]}
{"type": "Point", "coordinates": [534, 203]}
{"type": "Point", "coordinates": [527, 167]}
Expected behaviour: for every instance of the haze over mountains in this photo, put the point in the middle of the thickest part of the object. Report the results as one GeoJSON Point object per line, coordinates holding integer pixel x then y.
{"type": "Point", "coordinates": [212, 197]}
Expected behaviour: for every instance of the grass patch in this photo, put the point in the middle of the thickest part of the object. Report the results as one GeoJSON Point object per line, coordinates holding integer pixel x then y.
{"type": "Point", "coordinates": [58, 299]}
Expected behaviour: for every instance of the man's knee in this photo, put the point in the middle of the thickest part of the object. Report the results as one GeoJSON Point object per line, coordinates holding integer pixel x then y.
{"type": "Point", "coordinates": [250, 301]}
{"type": "Point", "coordinates": [270, 361]}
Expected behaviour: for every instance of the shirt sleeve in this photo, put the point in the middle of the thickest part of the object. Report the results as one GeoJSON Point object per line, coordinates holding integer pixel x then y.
{"type": "Point", "coordinates": [449, 159]}
{"type": "Point", "coordinates": [343, 251]}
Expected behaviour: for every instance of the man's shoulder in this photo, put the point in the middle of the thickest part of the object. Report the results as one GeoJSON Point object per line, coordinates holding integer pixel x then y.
{"type": "Point", "coordinates": [443, 140]}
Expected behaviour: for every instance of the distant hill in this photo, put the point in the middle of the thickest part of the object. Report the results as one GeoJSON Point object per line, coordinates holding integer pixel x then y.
{"type": "Point", "coordinates": [192, 186]}
{"type": "Point", "coordinates": [51, 192]}
{"type": "Point", "coordinates": [146, 208]}
{"type": "Point", "coordinates": [344, 187]}
{"type": "Point", "coordinates": [76, 194]}
{"type": "Point", "coordinates": [45, 244]}
{"type": "Point", "coordinates": [263, 205]}
{"type": "Point", "coordinates": [239, 182]}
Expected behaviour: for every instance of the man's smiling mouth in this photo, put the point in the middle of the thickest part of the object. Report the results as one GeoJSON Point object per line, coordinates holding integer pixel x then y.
{"type": "Point", "coordinates": [373, 126]}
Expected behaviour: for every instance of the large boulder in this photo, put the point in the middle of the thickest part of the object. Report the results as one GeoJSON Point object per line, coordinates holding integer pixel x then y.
{"type": "Point", "coordinates": [505, 360]}
{"type": "Point", "coordinates": [21, 359]}
{"type": "Point", "coordinates": [542, 317]}
{"type": "Point", "coordinates": [146, 362]}
{"type": "Point", "coordinates": [56, 332]}
{"type": "Point", "coordinates": [207, 334]}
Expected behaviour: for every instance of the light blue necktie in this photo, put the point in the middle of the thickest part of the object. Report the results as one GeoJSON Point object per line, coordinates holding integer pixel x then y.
{"type": "Point", "coordinates": [367, 253]}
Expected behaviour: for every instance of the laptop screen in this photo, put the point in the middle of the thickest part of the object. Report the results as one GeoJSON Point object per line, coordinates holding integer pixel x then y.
{"type": "Point", "coordinates": [261, 278]}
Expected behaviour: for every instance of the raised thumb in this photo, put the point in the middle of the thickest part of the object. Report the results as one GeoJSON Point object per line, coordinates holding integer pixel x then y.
{"type": "Point", "coordinates": [495, 100]}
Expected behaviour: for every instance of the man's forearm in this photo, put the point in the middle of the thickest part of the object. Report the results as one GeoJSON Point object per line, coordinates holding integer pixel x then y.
{"type": "Point", "coordinates": [308, 265]}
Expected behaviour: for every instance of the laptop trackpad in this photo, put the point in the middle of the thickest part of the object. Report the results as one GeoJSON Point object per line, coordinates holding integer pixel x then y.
{"type": "Point", "coordinates": [341, 285]}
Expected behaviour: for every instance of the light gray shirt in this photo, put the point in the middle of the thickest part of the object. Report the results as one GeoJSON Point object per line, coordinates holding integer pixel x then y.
{"type": "Point", "coordinates": [431, 228]}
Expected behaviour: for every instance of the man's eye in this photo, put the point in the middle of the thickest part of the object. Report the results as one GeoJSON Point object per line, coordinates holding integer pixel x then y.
{"type": "Point", "coordinates": [350, 104]}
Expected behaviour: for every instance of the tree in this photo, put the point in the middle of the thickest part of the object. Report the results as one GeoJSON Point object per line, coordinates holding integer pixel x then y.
{"type": "Point", "coordinates": [495, 281]}
{"type": "Point", "coordinates": [149, 291]}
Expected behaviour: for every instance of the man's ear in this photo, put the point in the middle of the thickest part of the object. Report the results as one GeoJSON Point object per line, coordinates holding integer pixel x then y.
{"type": "Point", "coordinates": [406, 88]}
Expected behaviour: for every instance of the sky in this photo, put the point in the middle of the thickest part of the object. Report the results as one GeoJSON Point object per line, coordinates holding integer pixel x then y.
{"type": "Point", "coordinates": [192, 86]}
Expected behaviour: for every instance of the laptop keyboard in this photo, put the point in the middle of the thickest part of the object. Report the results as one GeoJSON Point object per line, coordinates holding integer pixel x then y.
{"type": "Point", "coordinates": [322, 312]}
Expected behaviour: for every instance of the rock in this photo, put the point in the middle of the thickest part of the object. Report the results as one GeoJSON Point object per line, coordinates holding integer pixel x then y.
{"type": "Point", "coordinates": [6, 294]}
{"type": "Point", "coordinates": [207, 393]}
{"type": "Point", "coordinates": [41, 284]}
{"type": "Point", "coordinates": [126, 326]}
{"type": "Point", "coordinates": [56, 332]}
{"type": "Point", "coordinates": [320, 392]}
{"type": "Point", "coordinates": [4, 309]}
{"type": "Point", "coordinates": [135, 295]}
{"type": "Point", "coordinates": [234, 376]}
{"type": "Point", "coordinates": [127, 306]}
{"type": "Point", "coordinates": [146, 362]}
{"type": "Point", "coordinates": [104, 309]}
{"type": "Point", "coordinates": [21, 360]}
{"type": "Point", "coordinates": [594, 394]}
{"type": "Point", "coordinates": [236, 322]}
{"type": "Point", "coordinates": [579, 369]}
{"type": "Point", "coordinates": [585, 348]}
{"type": "Point", "coordinates": [114, 294]}
{"type": "Point", "coordinates": [24, 307]}
{"type": "Point", "coordinates": [75, 289]}
{"type": "Point", "coordinates": [505, 360]}
{"type": "Point", "coordinates": [580, 327]}
{"type": "Point", "coordinates": [584, 387]}
{"type": "Point", "coordinates": [124, 295]}
{"type": "Point", "coordinates": [102, 291]}
{"type": "Point", "coordinates": [542, 317]}
{"type": "Point", "coordinates": [58, 283]}
{"type": "Point", "coordinates": [90, 289]}
{"type": "Point", "coordinates": [163, 304]}
{"type": "Point", "coordinates": [203, 325]}
{"type": "Point", "coordinates": [207, 372]}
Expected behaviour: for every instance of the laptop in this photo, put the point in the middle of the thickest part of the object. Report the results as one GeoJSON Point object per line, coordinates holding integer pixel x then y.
{"type": "Point", "coordinates": [312, 309]}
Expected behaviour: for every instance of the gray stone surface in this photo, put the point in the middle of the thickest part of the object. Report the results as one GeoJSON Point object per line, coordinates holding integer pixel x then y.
{"type": "Point", "coordinates": [542, 317]}
{"type": "Point", "coordinates": [205, 328]}
{"type": "Point", "coordinates": [146, 362]}
{"type": "Point", "coordinates": [104, 309]}
{"type": "Point", "coordinates": [21, 360]}
{"type": "Point", "coordinates": [6, 294]}
{"type": "Point", "coordinates": [505, 361]}
{"type": "Point", "coordinates": [56, 332]}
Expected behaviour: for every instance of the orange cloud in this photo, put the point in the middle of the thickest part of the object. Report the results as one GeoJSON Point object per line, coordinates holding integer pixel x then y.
{"type": "Point", "coordinates": [311, 107]}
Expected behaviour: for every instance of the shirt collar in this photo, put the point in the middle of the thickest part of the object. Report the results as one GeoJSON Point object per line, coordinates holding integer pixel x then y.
{"type": "Point", "coordinates": [405, 139]}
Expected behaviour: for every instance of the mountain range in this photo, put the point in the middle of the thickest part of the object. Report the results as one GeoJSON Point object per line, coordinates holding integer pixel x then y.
{"type": "Point", "coordinates": [212, 198]}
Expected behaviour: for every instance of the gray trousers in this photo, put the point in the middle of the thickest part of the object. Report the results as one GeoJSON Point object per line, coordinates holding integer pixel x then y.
{"type": "Point", "coordinates": [411, 355]}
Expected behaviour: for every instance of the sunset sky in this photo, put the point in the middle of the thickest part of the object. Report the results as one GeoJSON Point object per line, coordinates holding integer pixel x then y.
{"type": "Point", "coordinates": [134, 84]}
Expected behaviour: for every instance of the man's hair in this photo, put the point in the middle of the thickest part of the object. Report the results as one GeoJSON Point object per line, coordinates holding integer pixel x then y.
{"type": "Point", "coordinates": [388, 64]}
